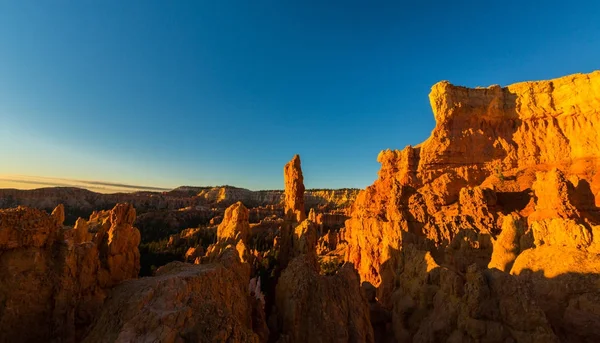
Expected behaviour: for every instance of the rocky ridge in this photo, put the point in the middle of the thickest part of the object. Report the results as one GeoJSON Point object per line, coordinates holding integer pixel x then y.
{"type": "Point", "coordinates": [81, 201]}
{"type": "Point", "coordinates": [166, 213]}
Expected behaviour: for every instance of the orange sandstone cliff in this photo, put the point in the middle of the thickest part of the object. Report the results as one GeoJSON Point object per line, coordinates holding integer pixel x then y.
{"type": "Point", "coordinates": [487, 231]}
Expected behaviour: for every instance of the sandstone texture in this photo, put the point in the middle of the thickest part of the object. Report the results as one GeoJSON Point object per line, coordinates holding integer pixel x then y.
{"type": "Point", "coordinates": [233, 232]}
{"type": "Point", "coordinates": [486, 231]}
{"type": "Point", "coordinates": [294, 190]}
{"type": "Point", "coordinates": [318, 308]}
{"type": "Point", "coordinates": [182, 303]}
{"type": "Point", "coordinates": [522, 125]}
{"type": "Point", "coordinates": [54, 278]}
{"type": "Point", "coordinates": [59, 214]}
{"type": "Point", "coordinates": [235, 225]}
{"type": "Point", "coordinates": [305, 238]}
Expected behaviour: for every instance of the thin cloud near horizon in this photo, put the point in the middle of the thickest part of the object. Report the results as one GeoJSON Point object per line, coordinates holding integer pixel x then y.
{"type": "Point", "coordinates": [20, 181]}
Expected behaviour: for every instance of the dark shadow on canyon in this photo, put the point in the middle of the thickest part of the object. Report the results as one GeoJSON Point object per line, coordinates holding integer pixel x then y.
{"type": "Point", "coordinates": [513, 201]}
{"type": "Point", "coordinates": [406, 303]}
{"type": "Point", "coordinates": [585, 201]}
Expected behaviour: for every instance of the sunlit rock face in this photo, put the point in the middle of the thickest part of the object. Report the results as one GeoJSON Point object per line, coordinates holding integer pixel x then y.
{"type": "Point", "coordinates": [294, 190]}
{"type": "Point", "coordinates": [233, 232]}
{"type": "Point", "coordinates": [53, 278]}
{"type": "Point", "coordinates": [505, 191]}
{"type": "Point", "coordinates": [522, 125]}
{"type": "Point", "coordinates": [235, 224]}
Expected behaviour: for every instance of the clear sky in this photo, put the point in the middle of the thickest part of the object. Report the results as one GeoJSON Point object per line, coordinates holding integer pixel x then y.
{"type": "Point", "coordinates": [166, 93]}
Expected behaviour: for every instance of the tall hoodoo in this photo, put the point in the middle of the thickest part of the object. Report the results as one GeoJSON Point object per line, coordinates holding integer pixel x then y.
{"type": "Point", "coordinates": [294, 190]}
{"type": "Point", "coordinates": [294, 207]}
{"type": "Point", "coordinates": [123, 256]}
{"type": "Point", "coordinates": [234, 230]}
{"type": "Point", "coordinates": [59, 214]}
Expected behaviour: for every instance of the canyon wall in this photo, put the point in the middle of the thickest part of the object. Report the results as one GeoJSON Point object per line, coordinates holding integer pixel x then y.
{"type": "Point", "coordinates": [506, 185]}
{"type": "Point", "coordinates": [484, 131]}
{"type": "Point", "coordinates": [330, 198]}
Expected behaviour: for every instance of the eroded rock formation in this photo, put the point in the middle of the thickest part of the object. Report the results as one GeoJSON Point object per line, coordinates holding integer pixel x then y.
{"type": "Point", "coordinates": [183, 302]}
{"type": "Point", "coordinates": [53, 279]}
{"type": "Point", "coordinates": [522, 125]}
{"type": "Point", "coordinates": [232, 232]}
{"type": "Point", "coordinates": [318, 308]}
{"type": "Point", "coordinates": [59, 214]}
{"type": "Point", "coordinates": [294, 190]}
{"type": "Point", "coordinates": [508, 181]}
{"type": "Point", "coordinates": [486, 232]}
{"type": "Point", "coordinates": [235, 225]}
{"type": "Point", "coordinates": [305, 238]}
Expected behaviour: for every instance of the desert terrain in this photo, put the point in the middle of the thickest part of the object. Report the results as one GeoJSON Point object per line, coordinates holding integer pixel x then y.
{"type": "Point", "coordinates": [485, 232]}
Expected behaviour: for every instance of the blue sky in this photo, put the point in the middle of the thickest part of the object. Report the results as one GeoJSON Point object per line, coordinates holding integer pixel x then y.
{"type": "Point", "coordinates": [225, 92]}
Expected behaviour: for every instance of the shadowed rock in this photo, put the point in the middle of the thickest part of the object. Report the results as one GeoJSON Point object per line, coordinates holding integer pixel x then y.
{"type": "Point", "coordinates": [53, 280]}
{"type": "Point", "coordinates": [316, 308]}
{"type": "Point", "coordinates": [183, 302]}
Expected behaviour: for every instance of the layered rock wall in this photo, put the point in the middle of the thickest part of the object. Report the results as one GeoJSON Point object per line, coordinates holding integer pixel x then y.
{"type": "Point", "coordinates": [507, 183]}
